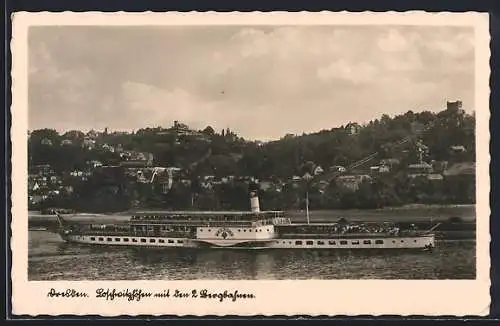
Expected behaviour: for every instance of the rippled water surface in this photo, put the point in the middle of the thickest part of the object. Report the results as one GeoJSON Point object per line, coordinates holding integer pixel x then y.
{"type": "Point", "coordinates": [52, 259]}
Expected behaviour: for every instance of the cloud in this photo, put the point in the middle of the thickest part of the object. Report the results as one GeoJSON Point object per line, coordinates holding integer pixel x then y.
{"type": "Point", "coordinates": [393, 41]}
{"type": "Point", "coordinates": [158, 106]}
{"type": "Point", "coordinates": [260, 80]}
{"type": "Point", "coordinates": [343, 69]}
{"type": "Point", "coordinates": [58, 94]}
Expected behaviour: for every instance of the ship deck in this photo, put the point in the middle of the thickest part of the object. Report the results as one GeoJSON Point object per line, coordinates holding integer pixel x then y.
{"type": "Point", "coordinates": [194, 213]}
{"type": "Point", "coordinates": [347, 235]}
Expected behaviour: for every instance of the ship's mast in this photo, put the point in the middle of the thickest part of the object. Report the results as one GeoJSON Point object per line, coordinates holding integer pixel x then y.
{"type": "Point", "coordinates": [308, 178]}
{"type": "Point", "coordinates": [307, 206]}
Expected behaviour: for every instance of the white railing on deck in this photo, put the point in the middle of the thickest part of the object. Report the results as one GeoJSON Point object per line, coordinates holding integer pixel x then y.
{"type": "Point", "coordinates": [282, 221]}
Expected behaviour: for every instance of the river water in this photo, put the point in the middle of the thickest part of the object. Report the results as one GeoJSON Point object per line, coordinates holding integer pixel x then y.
{"type": "Point", "coordinates": [49, 258]}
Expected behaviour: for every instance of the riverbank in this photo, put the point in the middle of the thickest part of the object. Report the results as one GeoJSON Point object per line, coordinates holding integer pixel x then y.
{"type": "Point", "coordinates": [412, 213]}
{"type": "Point", "coordinates": [466, 211]}
{"type": "Point", "coordinates": [457, 221]}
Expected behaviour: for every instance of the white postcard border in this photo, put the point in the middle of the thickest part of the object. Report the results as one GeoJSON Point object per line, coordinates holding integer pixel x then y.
{"type": "Point", "coordinates": [311, 297]}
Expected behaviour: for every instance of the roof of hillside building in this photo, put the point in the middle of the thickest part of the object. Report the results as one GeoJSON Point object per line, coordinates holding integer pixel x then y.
{"type": "Point", "coordinates": [458, 148]}
{"type": "Point", "coordinates": [464, 168]}
{"type": "Point", "coordinates": [420, 166]}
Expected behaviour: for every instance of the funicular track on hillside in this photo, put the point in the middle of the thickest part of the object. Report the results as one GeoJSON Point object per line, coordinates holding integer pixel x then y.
{"type": "Point", "coordinates": [189, 169]}
{"type": "Point", "coordinates": [329, 176]}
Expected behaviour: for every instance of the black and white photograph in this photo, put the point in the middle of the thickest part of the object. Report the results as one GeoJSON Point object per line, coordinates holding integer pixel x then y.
{"type": "Point", "coordinates": [259, 151]}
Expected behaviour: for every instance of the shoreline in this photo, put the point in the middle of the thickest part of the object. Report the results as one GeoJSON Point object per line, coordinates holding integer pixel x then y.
{"type": "Point", "coordinates": [420, 206]}
{"type": "Point", "coordinates": [408, 207]}
{"type": "Point", "coordinates": [456, 217]}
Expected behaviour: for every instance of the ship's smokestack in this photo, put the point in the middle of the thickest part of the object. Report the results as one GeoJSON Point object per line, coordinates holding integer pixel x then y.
{"type": "Point", "coordinates": [253, 189]}
{"type": "Point", "coordinates": [254, 202]}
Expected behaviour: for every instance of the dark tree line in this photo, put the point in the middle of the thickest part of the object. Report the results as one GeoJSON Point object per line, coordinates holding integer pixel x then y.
{"type": "Point", "coordinates": [231, 155]}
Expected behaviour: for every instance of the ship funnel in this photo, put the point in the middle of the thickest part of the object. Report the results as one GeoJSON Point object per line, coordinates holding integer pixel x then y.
{"type": "Point", "coordinates": [254, 202]}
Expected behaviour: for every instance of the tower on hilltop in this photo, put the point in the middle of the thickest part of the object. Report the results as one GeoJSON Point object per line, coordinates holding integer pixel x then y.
{"type": "Point", "coordinates": [453, 106]}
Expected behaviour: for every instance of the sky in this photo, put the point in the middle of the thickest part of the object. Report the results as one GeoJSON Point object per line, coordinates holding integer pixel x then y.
{"type": "Point", "coordinates": [260, 81]}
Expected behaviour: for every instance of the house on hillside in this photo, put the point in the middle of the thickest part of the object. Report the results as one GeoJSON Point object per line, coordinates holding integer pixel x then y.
{"type": "Point", "coordinates": [352, 181]}
{"type": "Point", "coordinates": [266, 185]}
{"type": "Point", "coordinates": [186, 182]}
{"type": "Point", "coordinates": [40, 183]}
{"type": "Point", "coordinates": [439, 166]}
{"type": "Point", "coordinates": [209, 178]}
{"type": "Point", "coordinates": [78, 174]}
{"type": "Point", "coordinates": [34, 187]}
{"type": "Point", "coordinates": [67, 142]}
{"type": "Point", "coordinates": [55, 179]}
{"type": "Point", "coordinates": [337, 168]}
{"type": "Point", "coordinates": [31, 183]}
{"type": "Point", "coordinates": [142, 176]}
{"type": "Point", "coordinates": [464, 168]}
{"type": "Point", "coordinates": [295, 181]}
{"type": "Point", "coordinates": [352, 128]}
{"type": "Point", "coordinates": [417, 127]}
{"type": "Point", "coordinates": [384, 169]}
{"type": "Point", "coordinates": [88, 143]}
{"type": "Point", "coordinates": [108, 148]}
{"type": "Point", "coordinates": [458, 149]}
{"type": "Point", "coordinates": [35, 199]}
{"type": "Point", "coordinates": [380, 169]}
{"type": "Point", "coordinates": [419, 170]}
{"type": "Point", "coordinates": [137, 159]}
{"type": "Point", "coordinates": [323, 185]}
{"type": "Point", "coordinates": [307, 176]}
{"type": "Point", "coordinates": [46, 142]}
{"type": "Point", "coordinates": [318, 170]}
{"type": "Point", "coordinates": [453, 106]}
{"type": "Point", "coordinates": [458, 153]}
{"type": "Point", "coordinates": [181, 129]}
{"type": "Point", "coordinates": [435, 177]}
{"type": "Point", "coordinates": [94, 164]}
{"type": "Point", "coordinates": [53, 193]}
{"type": "Point", "coordinates": [165, 183]}
{"type": "Point", "coordinates": [42, 170]}
{"type": "Point", "coordinates": [390, 162]}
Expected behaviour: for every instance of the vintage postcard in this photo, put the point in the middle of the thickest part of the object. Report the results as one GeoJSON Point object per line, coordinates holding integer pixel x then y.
{"type": "Point", "coordinates": [250, 164]}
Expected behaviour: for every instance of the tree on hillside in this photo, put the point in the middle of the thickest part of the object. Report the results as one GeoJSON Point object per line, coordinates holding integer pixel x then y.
{"type": "Point", "coordinates": [51, 134]}
{"type": "Point", "coordinates": [74, 135]}
{"type": "Point", "coordinates": [278, 160]}
{"type": "Point", "coordinates": [209, 131]}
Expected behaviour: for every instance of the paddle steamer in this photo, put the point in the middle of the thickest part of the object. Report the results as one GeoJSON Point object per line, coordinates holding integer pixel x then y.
{"type": "Point", "coordinates": [252, 229]}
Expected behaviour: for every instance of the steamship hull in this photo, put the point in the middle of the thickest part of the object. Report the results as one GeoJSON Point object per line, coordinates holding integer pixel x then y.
{"type": "Point", "coordinates": [338, 243]}
{"type": "Point", "coordinates": [253, 229]}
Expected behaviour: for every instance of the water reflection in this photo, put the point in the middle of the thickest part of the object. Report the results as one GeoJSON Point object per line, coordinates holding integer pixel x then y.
{"type": "Point", "coordinates": [51, 259]}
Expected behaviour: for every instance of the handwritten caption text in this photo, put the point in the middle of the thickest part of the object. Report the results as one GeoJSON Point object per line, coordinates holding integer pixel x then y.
{"type": "Point", "coordinates": [140, 294]}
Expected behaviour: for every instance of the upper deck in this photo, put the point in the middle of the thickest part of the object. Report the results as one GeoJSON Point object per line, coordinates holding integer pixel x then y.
{"type": "Point", "coordinates": [204, 213]}
{"type": "Point", "coordinates": [205, 216]}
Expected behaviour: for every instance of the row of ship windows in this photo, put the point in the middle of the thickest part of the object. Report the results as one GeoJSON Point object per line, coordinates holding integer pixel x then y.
{"type": "Point", "coordinates": [298, 242]}
{"type": "Point", "coordinates": [143, 240]}
{"type": "Point", "coordinates": [342, 242]}
{"type": "Point", "coordinates": [239, 230]}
